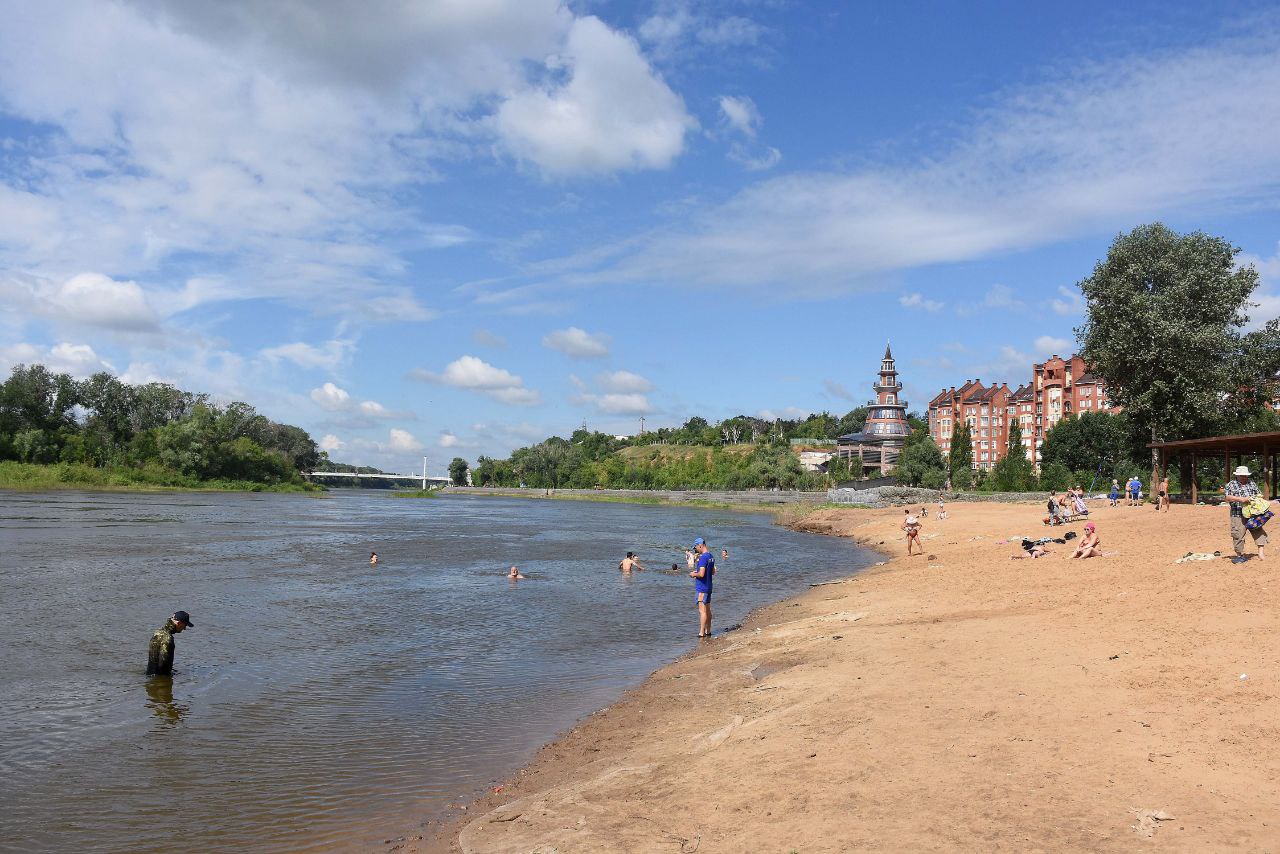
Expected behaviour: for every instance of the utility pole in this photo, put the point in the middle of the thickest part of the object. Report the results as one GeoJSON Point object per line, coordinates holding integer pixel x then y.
{"type": "Point", "coordinates": [424, 474]}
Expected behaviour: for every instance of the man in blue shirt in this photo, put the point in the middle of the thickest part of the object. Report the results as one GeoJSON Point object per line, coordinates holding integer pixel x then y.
{"type": "Point", "coordinates": [1135, 490]}
{"type": "Point", "coordinates": [703, 569]}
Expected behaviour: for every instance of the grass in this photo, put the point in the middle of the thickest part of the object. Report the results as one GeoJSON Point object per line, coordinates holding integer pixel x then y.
{"type": "Point", "coordinates": [414, 493]}
{"type": "Point", "coordinates": [32, 477]}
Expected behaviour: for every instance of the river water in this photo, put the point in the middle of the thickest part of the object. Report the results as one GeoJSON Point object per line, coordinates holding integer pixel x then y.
{"type": "Point", "coordinates": [318, 703]}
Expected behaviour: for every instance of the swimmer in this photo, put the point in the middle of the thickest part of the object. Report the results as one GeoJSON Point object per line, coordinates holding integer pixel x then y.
{"type": "Point", "coordinates": [514, 574]}
{"type": "Point", "coordinates": [629, 563]}
{"type": "Point", "coordinates": [724, 555]}
{"type": "Point", "coordinates": [373, 558]}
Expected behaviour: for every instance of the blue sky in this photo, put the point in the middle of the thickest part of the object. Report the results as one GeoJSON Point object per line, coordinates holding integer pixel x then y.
{"type": "Point", "coordinates": [453, 228]}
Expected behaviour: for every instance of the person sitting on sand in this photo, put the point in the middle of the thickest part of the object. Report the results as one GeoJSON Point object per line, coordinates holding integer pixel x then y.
{"type": "Point", "coordinates": [924, 512]}
{"type": "Point", "coordinates": [1077, 499]}
{"type": "Point", "coordinates": [514, 574]}
{"type": "Point", "coordinates": [1090, 544]}
{"type": "Point", "coordinates": [1029, 549]}
{"type": "Point", "coordinates": [911, 525]}
{"type": "Point", "coordinates": [629, 563]}
{"type": "Point", "coordinates": [373, 558]}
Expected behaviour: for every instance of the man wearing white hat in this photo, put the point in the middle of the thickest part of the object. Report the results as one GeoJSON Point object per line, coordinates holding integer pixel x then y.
{"type": "Point", "coordinates": [1238, 493]}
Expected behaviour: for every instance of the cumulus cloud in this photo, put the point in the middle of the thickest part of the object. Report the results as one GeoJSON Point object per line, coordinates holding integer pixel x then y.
{"type": "Point", "coordinates": [331, 398]}
{"type": "Point", "coordinates": [1047, 345]}
{"type": "Point", "coordinates": [787, 413]}
{"type": "Point", "coordinates": [87, 299]}
{"type": "Point", "coordinates": [623, 382]}
{"type": "Point", "coordinates": [331, 443]}
{"type": "Point", "coordinates": [578, 344]}
{"type": "Point", "coordinates": [919, 301]}
{"type": "Point", "coordinates": [475, 374]}
{"type": "Point", "coordinates": [611, 112]}
{"type": "Point", "coordinates": [448, 440]}
{"type": "Point", "coordinates": [403, 441]}
{"type": "Point", "coordinates": [326, 357]}
{"type": "Point", "coordinates": [78, 360]}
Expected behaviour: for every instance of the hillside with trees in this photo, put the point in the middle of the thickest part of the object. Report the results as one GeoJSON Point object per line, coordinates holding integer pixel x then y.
{"type": "Point", "coordinates": [56, 430]}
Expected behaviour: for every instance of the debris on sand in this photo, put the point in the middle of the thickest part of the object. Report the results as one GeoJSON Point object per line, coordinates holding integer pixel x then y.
{"type": "Point", "coordinates": [1148, 821]}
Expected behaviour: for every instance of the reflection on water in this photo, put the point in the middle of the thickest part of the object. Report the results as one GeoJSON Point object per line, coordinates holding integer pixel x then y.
{"type": "Point", "coordinates": [160, 700]}
{"type": "Point", "coordinates": [317, 696]}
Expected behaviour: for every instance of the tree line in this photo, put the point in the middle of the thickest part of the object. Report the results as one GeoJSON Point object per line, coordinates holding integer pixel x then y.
{"type": "Point", "coordinates": [102, 422]}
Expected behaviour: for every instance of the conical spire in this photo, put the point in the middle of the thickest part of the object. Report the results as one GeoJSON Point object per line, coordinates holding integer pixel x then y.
{"type": "Point", "coordinates": [887, 354]}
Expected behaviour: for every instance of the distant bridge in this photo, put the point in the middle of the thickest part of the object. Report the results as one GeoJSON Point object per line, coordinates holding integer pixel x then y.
{"type": "Point", "coordinates": [420, 478]}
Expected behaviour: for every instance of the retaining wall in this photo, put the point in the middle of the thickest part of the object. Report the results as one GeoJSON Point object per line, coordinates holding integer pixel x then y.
{"type": "Point", "coordinates": [890, 496]}
{"type": "Point", "coordinates": [761, 497]}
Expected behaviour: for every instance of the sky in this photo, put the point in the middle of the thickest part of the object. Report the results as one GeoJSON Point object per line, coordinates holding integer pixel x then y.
{"type": "Point", "coordinates": [455, 227]}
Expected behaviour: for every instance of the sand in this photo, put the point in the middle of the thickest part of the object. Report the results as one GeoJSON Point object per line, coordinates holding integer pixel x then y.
{"type": "Point", "coordinates": [957, 701]}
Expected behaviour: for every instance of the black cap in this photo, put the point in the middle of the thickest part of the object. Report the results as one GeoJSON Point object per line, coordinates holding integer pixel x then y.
{"type": "Point", "coordinates": [183, 617]}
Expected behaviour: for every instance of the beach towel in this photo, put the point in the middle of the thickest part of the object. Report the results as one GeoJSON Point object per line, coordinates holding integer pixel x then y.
{"type": "Point", "coordinates": [1257, 506]}
{"type": "Point", "coordinates": [1258, 521]}
{"type": "Point", "coordinates": [1192, 556]}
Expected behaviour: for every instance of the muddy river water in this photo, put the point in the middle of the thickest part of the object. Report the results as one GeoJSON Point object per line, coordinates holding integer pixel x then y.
{"type": "Point", "coordinates": [319, 703]}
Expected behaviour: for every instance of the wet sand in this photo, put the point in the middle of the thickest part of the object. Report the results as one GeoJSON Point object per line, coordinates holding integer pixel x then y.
{"type": "Point", "coordinates": [957, 701]}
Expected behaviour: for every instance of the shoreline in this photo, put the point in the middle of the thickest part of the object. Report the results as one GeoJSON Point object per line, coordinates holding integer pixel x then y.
{"type": "Point", "coordinates": [962, 700]}
{"type": "Point", "coordinates": [33, 477]}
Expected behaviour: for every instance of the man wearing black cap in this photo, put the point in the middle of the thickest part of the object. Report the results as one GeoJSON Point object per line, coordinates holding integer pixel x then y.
{"type": "Point", "coordinates": [160, 655]}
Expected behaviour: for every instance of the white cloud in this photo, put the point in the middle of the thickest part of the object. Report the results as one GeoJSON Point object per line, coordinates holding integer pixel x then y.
{"type": "Point", "coordinates": [919, 301]}
{"type": "Point", "coordinates": [1091, 149]}
{"type": "Point", "coordinates": [327, 357]}
{"type": "Point", "coordinates": [331, 443]}
{"type": "Point", "coordinates": [836, 389]}
{"type": "Point", "coordinates": [675, 28]}
{"type": "Point", "coordinates": [622, 404]}
{"type": "Point", "coordinates": [87, 299]}
{"type": "Point", "coordinates": [448, 440]}
{"type": "Point", "coordinates": [787, 413]}
{"type": "Point", "coordinates": [613, 112]}
{"type": "Point", "coordinates": [623, 382]}
{"type": "Point", "coordinates": [1266, 298]}
{"type": "Point", "coordinates": [403, 441]}
{"type": "Point", "coordinates": [578, 344]}
{"type": "Point", "coordinates": [332, 398]}
{"type": "Point", "coordinates": [1070, 302]}
{"type": "Point", "coordinates": [475, 374]}
{"type": "Point", "coordinates": [78, 360]}
{"type": "Point", "coordinates": [1047, 345]}
{"type": "Point", "coordinates": [741, 114]}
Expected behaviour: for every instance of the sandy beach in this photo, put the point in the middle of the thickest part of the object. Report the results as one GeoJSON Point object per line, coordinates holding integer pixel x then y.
{"type": "Point", "coordinates": [956, 701]}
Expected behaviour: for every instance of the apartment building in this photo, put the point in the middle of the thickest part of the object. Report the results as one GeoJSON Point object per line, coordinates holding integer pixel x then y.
{"type": "Point", "coordinates": [1058, 388]}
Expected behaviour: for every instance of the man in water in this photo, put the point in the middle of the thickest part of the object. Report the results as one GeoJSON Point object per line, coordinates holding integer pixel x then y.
{"type": "Point", "coordinates": [704, 569]}
{"type": "Point", "coordinates": [160, 653]}
{"type": "Point", "coordinates": [629, 563]}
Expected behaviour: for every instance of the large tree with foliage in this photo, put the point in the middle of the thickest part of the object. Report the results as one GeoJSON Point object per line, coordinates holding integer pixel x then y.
{"type": "Point", "coordinates": [960, 458]}
{"type": "Point", "coordinates": [1095, 442]}
{"type": "Point", "coordinates": [1165, 327]}
{"type": "Point", "coordinates": [1014, 472]}
{"type": "Point", "coordinates": [458, 471]}
{"type": "Point", "coordinates": [921, 463]}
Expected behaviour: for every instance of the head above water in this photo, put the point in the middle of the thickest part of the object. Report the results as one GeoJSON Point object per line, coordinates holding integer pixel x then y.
{"type": "Point", "coordinates": [631, 554]}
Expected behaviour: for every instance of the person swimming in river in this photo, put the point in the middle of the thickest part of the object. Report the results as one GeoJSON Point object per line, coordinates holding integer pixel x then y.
{"type": "Point", "coordinates": [373, 558]}
{"type": "Point", "coordinates": [629, 563]}
{"type": "Point", "coordinates": [514, 574]}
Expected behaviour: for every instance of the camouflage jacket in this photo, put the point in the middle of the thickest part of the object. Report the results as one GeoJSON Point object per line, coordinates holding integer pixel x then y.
{"type": "Point", "coordinates": [160, 653]}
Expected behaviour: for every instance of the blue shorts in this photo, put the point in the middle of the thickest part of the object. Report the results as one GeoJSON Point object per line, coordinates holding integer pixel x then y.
{"type": "Point", "coordinates": [702, 596]}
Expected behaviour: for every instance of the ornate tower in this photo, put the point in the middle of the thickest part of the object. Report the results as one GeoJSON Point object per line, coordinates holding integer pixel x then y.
{"type": "Point", "coordinates": [887, 421]}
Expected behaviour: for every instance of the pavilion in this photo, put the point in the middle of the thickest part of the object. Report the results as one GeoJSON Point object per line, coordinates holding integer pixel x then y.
{"type": "Point", "coordinates": [1231, 450]}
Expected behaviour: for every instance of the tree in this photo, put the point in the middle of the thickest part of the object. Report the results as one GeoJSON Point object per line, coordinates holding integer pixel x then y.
{"type": "Point", "coordinates": [458, 471]}
{"type": "Point", "coordinates": [1014, 472]}
{"type": "Point", "coordinates": [920, 456]}
{"type": "Point", "coordinates": [1095, 440]}
{"type": "Point", "coordinates": [1165, 328]}
{"type": "Point", "coordinates": [960, 458]}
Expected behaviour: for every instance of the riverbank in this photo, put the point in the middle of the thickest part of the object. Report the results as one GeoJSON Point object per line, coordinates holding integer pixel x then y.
{"type": "Point", "coordinates": [743, 500]}
{"type": "Point", "coordinates": [31, 477]}
{"type": "Point", "coordinates": [960, 700]}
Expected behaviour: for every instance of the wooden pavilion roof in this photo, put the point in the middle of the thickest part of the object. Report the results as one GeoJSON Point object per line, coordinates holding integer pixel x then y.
{"type": "Point", "coordinates": [1243, 443]}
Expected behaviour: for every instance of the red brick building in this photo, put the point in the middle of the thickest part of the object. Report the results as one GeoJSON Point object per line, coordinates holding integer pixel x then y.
{"type": "Point", "coordinates": [1058, 388]}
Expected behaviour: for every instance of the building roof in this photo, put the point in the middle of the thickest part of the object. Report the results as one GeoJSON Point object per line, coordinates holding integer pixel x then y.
{"type": "Point", "coordinates": [1024, 393]}
{"type": "Point", "coordinates": [888, 355]}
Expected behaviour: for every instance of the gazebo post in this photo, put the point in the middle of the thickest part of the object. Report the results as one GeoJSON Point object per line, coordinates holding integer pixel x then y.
{"type": "Point", "coordinates": [1195, 492]}
{"type": "Point", "coordinates": [1226, 465]}
{"type": "Point", "coordinates": [1266, 468]}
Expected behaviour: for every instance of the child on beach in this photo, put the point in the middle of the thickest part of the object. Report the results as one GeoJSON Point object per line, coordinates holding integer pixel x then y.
{"type": "Point", "coordinates": [942, 509]}
{"type": "Point", "coordinates": [911, 525]}
{"type": "Point", "coordinates": [1115, 493]}
{"type": "Point", "coordinates": [1090, 544]}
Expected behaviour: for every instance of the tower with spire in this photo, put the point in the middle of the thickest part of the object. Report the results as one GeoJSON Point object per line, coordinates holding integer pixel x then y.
{"type": "Point", "coordinates": [880, 441]}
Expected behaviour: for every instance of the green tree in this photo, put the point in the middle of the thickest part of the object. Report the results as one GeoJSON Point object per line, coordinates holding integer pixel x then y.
{"type": "Point", "coordinates": [458, 471]}
{"type": "Point", "coordinates": [1165, 328]}
{"type": "Point", "coordinates": [960, 458]}
{"type": "Point", "coordinates": [920, 456]}
{"type": "Point", "coordinates": [1102, 443]}
{"type": "Point", "coordinates": [1055, 476]}
{"type": "Point", "coordinates": [1014, 472]}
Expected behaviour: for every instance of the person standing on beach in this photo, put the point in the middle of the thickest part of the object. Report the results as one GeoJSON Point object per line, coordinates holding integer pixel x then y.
{"type": "Point", "coordinates": [702, 573]}
{"type": "Point", "coordinates": [160, 652]}
{"type": "Point", "coordinates": [1237, 493]}
{"type": "Point", "coordinates": [1115, 493]}
{"type": "Point", "coordinates": [1162, 494]}
{"type": "Point", "coordinates": [1135, 490]}
{"type": "Point", "coordinates": [911, 525]}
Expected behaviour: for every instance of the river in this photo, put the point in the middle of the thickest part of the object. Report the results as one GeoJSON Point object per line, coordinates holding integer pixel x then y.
{"type": "Point", "coordinates": [317, 702]}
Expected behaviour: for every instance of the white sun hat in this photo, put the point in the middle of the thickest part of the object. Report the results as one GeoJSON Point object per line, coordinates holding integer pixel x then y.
{"type": "Point", "coordinates": [1243, 470]}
